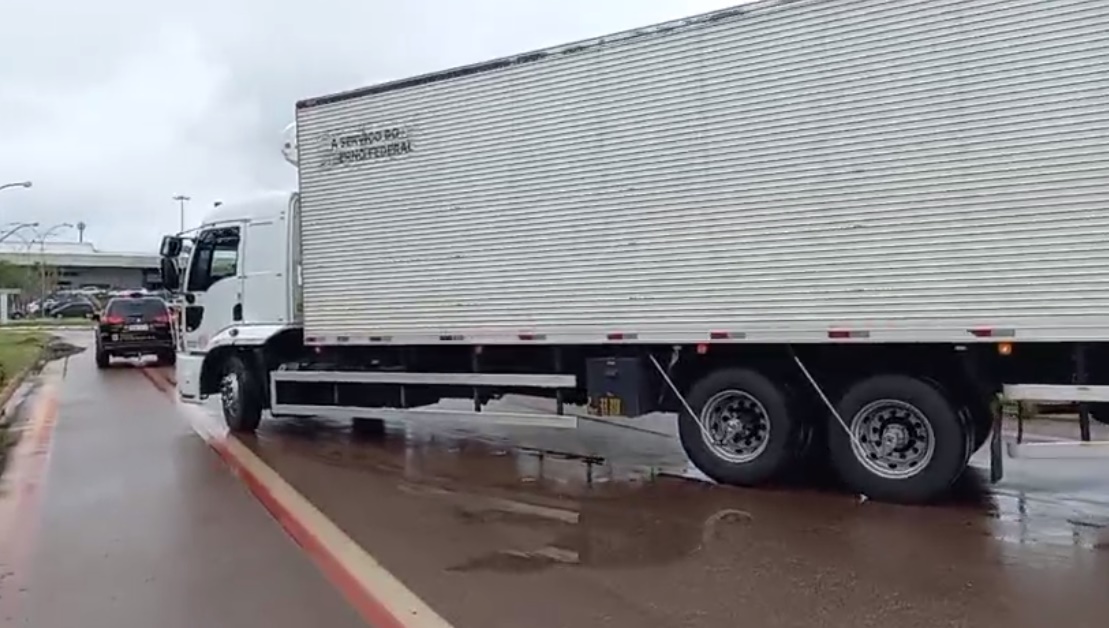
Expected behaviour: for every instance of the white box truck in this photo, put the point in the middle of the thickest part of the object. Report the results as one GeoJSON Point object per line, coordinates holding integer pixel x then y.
{"type": "Point", "coordinates": [848, 226]}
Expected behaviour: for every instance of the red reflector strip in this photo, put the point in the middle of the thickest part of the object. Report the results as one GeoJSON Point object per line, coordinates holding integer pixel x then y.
{"type": "Point", "coordinates": [622, 336]}
{"type": "Point", "coordinates": [726, 335]}
{"type": "Point", "coordinates": [528, 337]}
{"type": "Point", "coordinates": [842, 334]}
{"type": "Point", "coordinates": [989, 332]}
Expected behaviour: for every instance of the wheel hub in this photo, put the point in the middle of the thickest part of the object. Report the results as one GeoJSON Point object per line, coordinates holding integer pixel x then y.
{"type": "Point", "coordinates": [736, 426]}
{"type": "Point", "coordinates": [892, 439]}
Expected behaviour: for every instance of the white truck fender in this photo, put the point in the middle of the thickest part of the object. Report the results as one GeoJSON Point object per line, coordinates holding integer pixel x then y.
{"type": "Point", "coordinates": [191, 372]}
{"type": "Point", "coordinates": [245, 335]}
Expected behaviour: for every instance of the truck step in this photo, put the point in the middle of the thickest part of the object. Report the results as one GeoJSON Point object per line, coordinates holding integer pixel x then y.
{"type": "Point", "coordinates": [445, 379]}
{"type": "Point", "coordinates": [485, 418]}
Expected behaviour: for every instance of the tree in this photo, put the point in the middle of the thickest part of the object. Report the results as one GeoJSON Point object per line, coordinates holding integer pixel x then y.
{"type": "Point", "coordinates": [17, 277]}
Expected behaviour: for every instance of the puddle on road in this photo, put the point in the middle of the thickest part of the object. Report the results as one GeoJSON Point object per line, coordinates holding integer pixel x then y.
{"type": "Point", "coordinates": [1039, 521]}
{"type": "Point", "coordinates": [593, 500]}
{"type": "Point", "coordinates": [61, 349]}
{"type": "Point", "coordinates": [462, 455]}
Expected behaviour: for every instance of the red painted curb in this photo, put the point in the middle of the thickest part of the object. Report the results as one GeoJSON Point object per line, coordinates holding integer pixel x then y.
{"type": "Point", "coordinates": [369, 607]}
{"type": "Point", "coordinates": [31, 467]}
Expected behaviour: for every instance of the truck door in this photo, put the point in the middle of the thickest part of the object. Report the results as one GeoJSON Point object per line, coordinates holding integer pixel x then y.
{"type": "Point", "coordinates": [265, 293]}
{"type": "Point", "coordinates": [213, 286]}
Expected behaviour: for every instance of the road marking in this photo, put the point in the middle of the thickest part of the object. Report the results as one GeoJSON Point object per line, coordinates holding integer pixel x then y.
{"type": "Point", "coordinates": [21, 494]}
{"type": "Point", "coordinates": [380, 598]}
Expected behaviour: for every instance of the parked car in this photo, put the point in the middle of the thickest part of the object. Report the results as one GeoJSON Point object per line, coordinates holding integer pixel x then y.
{"type": "Point", "coordinates": [133, 326]}
{"type": "Point", "coordinates": [73, 309]}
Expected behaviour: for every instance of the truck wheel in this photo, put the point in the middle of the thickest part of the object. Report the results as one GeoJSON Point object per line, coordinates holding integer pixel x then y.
{"type": "Point", "coordinates": [103, 359]}
{"type": "Point", "coordinates": [749, 434]}
{"type": "Point", "coordinates": [240, 396]}
{"type": "Point", "coordinates": [909, 445]}
{"type": "Point", "coordinates": [167, 358]}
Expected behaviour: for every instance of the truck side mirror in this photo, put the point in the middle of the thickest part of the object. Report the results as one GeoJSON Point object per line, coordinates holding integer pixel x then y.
{"type": "Point", "coordinates": [171, 279]}
{"type": "Point", "coordinates": [171, 246]}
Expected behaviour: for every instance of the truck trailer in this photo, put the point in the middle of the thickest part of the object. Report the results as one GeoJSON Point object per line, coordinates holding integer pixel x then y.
{"type": "Point", "coordinates": [804, 227]}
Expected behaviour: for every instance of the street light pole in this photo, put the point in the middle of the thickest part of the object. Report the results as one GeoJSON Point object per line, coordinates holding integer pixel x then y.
{"type": "Point", "coordinates": [181, 198]}
{"type": "Point", "coordinates": [16, 184]}
{"type": "Point", "coordinates": [16, 229]}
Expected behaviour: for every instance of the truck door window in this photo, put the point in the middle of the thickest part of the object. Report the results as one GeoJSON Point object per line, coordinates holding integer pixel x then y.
{"type": "Point", "coordinates": [216, 256]}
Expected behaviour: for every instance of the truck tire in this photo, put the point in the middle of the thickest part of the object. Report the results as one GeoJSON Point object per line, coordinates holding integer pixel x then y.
{"type": "Point", "coordinates": [167, 358]}
{"type": "Point", "coordinates": [981, 434]}
{"type": "Point", "coordinates": [750, 435]}
{"type": "Point", "coordinates": [240, 396]}
{"type": "Point", "coordinates": [912, 443]}
{"type": "Point", "coordinates": [103, 360]}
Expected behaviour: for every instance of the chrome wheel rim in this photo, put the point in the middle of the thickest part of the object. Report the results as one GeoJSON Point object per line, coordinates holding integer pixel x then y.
{"type": "Point", "coordinates": [229, 394]}
{"type": "Point", "coordinates": [736, 426]}
{"type": "Point", "coordinates": [892, 439]}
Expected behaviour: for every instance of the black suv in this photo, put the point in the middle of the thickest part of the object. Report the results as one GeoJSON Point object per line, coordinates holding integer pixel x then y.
{"type": "Point", "coordinates": [134, 326]}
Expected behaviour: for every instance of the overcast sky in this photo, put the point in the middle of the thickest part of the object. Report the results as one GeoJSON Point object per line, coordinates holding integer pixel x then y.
{"type": "Point", "coordinates": [112, 107]}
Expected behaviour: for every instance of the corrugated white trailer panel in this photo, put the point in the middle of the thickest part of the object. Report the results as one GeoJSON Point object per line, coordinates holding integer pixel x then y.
{"type": "Point", "coordinates": [914, 169]}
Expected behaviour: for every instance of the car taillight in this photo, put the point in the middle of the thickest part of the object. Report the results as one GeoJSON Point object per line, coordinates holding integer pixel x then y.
{"type": "Point", "coordinates": [162, 318]}
{"type": "Point", "coordinates": [113, 320]}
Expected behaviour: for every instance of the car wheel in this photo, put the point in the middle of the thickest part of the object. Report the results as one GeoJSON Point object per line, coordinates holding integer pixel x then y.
{"type": "Point", "coordinates": [103, 359]}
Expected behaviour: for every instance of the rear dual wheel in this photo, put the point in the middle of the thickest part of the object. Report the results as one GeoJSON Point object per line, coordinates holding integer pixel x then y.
{"type": "Point", "coordinates": [905, 442]}
{"type": "Point", "coordinates": [744, 432]}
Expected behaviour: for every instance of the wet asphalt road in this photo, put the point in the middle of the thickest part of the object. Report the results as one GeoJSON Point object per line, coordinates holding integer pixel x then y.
{"type": "Point", "coordinates": [141, 525]}
{"type": "Point", "coordinates": [493, 527]}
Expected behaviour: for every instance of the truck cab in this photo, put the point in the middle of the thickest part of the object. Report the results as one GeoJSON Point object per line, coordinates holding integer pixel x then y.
{"type": "Point", "coordinates": [239, 286]}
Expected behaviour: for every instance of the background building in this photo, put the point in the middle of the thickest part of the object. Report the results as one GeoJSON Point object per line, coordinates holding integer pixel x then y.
{"type": "Point", "coordinates": [75, 265]}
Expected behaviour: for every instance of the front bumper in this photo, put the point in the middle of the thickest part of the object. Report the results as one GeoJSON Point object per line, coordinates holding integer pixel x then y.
{"type": "Point", "coordinates": [136, 347]}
